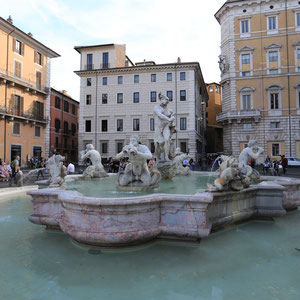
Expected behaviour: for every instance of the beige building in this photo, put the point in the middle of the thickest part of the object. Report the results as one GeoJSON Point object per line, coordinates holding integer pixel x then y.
{"type": "Point", "coordinates": [117, 99]}
{"type": "Point", "coordinates": [24, 94]}
{"type": "Point", "coordinates": [260, 65]}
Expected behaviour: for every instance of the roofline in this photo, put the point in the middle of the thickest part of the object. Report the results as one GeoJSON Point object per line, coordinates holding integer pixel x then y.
{"type": "Point", "coordinates": [233, 1]}
{"type": "Point", "coordinates": [77, 48]}
{"type": "Point", "coordinates": [62, 94]}
{"type": "Point", "coordinates": [13, 27]}
{"type": "Point", "coordinates": [130, 60]}
{"type": "Point", "coordinates": [142, 66]}
{"type": "Point", "coordinates": [213, 83]}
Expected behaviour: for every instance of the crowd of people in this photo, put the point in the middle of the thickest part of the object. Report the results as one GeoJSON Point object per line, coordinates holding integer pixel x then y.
{"type": "Point", "coordinates": [9, 171]}
{"type": "Point", "coordinates": [275, 167]}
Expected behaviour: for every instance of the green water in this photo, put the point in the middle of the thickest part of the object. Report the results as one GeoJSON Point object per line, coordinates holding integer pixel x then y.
{"type": "Point", "coordinates": [256, 260]}
{"type": "Point", "coordinates": [105, 187]}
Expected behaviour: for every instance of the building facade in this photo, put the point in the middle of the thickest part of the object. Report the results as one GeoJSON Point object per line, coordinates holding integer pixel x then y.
{"type": "Point", "coordinates": [117, 100]}
{"type": "Point", "coordinates": [260, 65]}
{"type": "Point", "coordinates": [24, 94]}
{"type": "Point", "coordinates": [64, 113]}
{"type": "Point", "coordinates": [214, 131]}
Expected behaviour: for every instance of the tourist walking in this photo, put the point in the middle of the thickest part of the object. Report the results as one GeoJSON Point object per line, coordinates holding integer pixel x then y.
{"type": "Point", "coordinates": [284, 163]}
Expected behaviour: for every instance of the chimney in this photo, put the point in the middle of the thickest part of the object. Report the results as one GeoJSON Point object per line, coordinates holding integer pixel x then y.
{"type": "Point", "coordinates": [10, 20]}
{"type": "Point", "coordinates": [30, 34]}
{"type": "Point", "coordinates": [178, 60]}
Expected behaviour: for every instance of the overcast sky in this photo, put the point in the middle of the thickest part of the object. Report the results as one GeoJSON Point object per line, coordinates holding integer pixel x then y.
{"type": "Point", "coordinates": [158, 30]}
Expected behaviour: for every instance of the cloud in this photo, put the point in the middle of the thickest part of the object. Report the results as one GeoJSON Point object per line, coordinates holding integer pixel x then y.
{"type": "Point", "coordinates": [154, 30]}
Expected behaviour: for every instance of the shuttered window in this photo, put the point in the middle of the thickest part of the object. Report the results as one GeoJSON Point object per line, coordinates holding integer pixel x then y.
{"type": "Point", "coordinates": [38, 110]}
{"type": "Point", "coordinates": [38, 80]}
{"type": "Point", "coordinates": [18, 105]}
{"type": "Point", "coordinates": [38, 58]}
{"type": "Point", "coordinates": [18, 47]}
{"type": "Point", "coordinates": [18, 69]}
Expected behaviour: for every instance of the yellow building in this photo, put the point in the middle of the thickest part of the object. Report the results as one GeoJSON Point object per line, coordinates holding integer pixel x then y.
{"type": "Point", "coordinates": [24, 94]}
{"type": "Point", "coordinates": [260, 65]}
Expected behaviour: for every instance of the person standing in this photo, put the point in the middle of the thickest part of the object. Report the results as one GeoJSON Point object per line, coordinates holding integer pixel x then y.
{"type": "Point", "coordinates": [284, 163]}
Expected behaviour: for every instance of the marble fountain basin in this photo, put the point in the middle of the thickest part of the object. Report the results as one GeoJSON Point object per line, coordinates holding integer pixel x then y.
{"type": "Point", "coordinates": [117, 222]}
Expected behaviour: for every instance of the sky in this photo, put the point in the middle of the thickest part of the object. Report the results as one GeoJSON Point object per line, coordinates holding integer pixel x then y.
{"type": "Point", "coordinates": [156, 30]}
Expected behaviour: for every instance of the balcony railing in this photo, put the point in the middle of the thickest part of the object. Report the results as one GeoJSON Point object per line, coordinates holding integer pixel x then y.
{"type": "Point", "coordinates": [22, 115]}
{"type": "Point", "coordinates": [238, 114]}
{"type": "Point", "coordinates": [100, 66]}
{"type": "Point", "coordinates": [25, 82]}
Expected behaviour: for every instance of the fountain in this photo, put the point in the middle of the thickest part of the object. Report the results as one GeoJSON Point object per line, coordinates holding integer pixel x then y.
{"type": "Point", "coordinates": [129, 219]}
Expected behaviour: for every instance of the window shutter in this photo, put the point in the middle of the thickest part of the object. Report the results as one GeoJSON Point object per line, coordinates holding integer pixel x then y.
{"type": "Point", "coordinates": [14, 44]}
{"type": "Point", "coordinates": [42, 110]}
{"type": "Point", "coordinates": [12, 103]}
{"type": "Point", "coordinates": [22, 48]}
{"type": "Point", "coordinates": [21, 105]}
{"type": "Point", "coordinates": [42, 59]}
{"type": "Point", "coordinates": [35, 56]}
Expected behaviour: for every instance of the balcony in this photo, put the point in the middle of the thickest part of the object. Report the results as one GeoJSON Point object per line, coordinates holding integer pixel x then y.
{"type": "Point", "coordinates": [16, 114]}
{"type": "Point", "coordinates": [95, 67]}
{"type": "Point", "coordinates": [238, 115]}
{"type": "Point", "coordinates": [29, 85]}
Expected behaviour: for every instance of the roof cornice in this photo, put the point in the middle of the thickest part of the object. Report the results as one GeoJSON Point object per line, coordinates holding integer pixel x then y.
{"type": "Point", "coordinates": [15, 31]}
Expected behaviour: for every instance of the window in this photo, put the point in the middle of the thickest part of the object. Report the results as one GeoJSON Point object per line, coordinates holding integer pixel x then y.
{"type": "Point", "coordinates": [38, 80]}
{"type": "Point", "coordinates": [245, 26]}
{"type": "Point", "coordinates": [183, 147]}
{"type": "Point", "coordinates": [136, 78]}
{"type": "Point", "coordinates": [105, 60]}
{"type": "Point", "coordinates": [246, 102]}
{"type": "Point", "coordinates": [120, 79]}
{"type": "Point", "coordinates": [16, 128]}
{"type": "Point", "coordinates": [104, 147]}
{"type": "Point", "coordinates": [247, 126]}
{"type": "Point", "coordinates": [37, 131]}
{"type": "Point", "coordinates": [89, 62]}
{"type": "Point", "coordinates": [73, 129]}
{"type": "Point", "coordinates": [275, 125]}
{"type": "Point", "coordinates": [88, 125]}
{"type": "Point", "coordinates": [119, 124]}
{"type": "Point", "coordinates": [73, 109]}
{"type": "Point", "coordinates": [120, 146]}
{"type": "Point", "coordinates": [136, 97]}
{"type": "Point", "coordinates": [56, 142]}
{"type": "Point", "coordinates": [246, 73]}
{"type": "Point", "coordinates": [66, 106]}
{"type": "Point", "coordinates": [89, 81]}
{"type": "Point", "coordinates": [38, 58]}
{"type": "Point", "coordinates": [182, 75]}
{"type": "Point", "coordinates": [182, 95]}
{"type": "Point", "coordinates": [275, 150]}
{"type": "Point", "coordinates": [169, 76]}
{"type": "Point", "coordinates": [104, 98]}
{"type": "Point", "coordinates": [182, 123]}
{"type": "Point", "coordinates": [120, 98]}
{"type": "Point", "coordinates": [136, 124]}
{"type": "Point", "coordinates": [18, 69]}
{"type": "Point", "coordinates": [298, 60]}
{"type": "Point", "coordinates": [153, 77]}
{"type": "Point", "coordinates": [19, 47]}
{"type": "Point", "coordinates": [170, 95]}
{"type": "Point", "coordinates": [273, 56]}
{"type": "Point", "coordinates": [272, 23]}
{"type": "Point", "coordinates": [274, 100]}
{"type": "Point", "coordinates": [246, 59]}
{"type": "Point", "coordinates": [211, 89]}
{"type": "Point", "coordinates": [297, 19]}
{"type": "Point", "coordinates": [38, 110]}
{"type": "Point", "coordinates": [57, 102]}
{"type": "Point", "coordinates": [152, 124]}
{"type": "Point", "coordinates": [104, 81]}
{"type": "Point", "coordinates": [66, 127]}
{"type": "Point", "coordinates": [57, 125]}
{"type": "Point", "coordinates": [88, 99]}
{"type": "Point", "coordinates": [104, 125]}
{"type": "Point", "coordinates": [153, 96]}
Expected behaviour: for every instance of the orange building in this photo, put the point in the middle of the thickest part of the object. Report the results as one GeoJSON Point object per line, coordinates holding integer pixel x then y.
{"type": "Point", "coordinates": [64, 125]}
{"type": "Point", "coordinates": [214, 132]}
{"type": "Point", "coordinates": [24, 94]}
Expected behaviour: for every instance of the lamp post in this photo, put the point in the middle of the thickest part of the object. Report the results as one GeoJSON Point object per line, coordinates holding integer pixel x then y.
{"type": "Point", "coordinates": [203, 154]}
